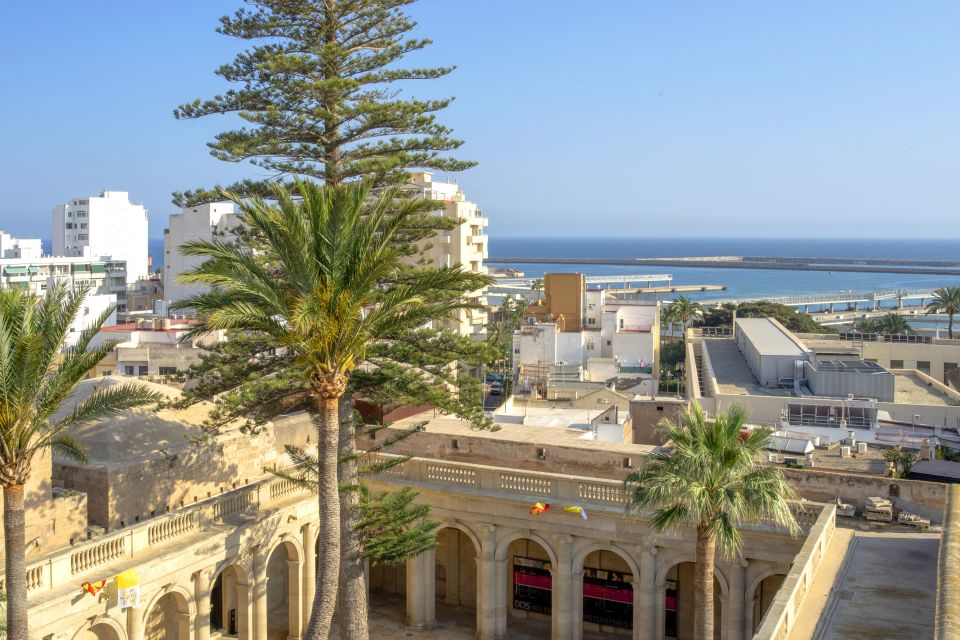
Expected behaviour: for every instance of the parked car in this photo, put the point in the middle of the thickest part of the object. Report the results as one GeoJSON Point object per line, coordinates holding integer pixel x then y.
{"type": "Point", "coordinates": [496, 389]}
{"type": "Point", "coordinates": [493, 377]}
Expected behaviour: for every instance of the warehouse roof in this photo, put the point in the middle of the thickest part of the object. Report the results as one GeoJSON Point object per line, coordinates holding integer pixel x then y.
{"type": "Point", "coordinates": [768, 337]}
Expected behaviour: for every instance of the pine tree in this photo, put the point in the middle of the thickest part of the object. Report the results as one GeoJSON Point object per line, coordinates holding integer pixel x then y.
{"type": "Point", "coordinates": [321, 95]}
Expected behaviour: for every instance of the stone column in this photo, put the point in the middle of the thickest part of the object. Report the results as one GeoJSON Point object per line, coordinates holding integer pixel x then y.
{"type": "Point", "coordinates": [646, 599]}
{"type": "Point", "coordinates": [135, 623]}
{"type": "Point", "coordinates": [244, 617]}
{"type": "Point", "coordinates": [735, 600]}
{"type": "Point", "coordinates": [421, 597]}
{"type": "Point", "coordinates": [201, 593]}
{"type": "Point", "coordinates": [309, 570]}
{"type": "Point", "coordinates": [562, 583]}
{"type": "Point", "coordinates": [259, 595]}
{"type": "Point", "coordinates": [486, 584]}
{"type": "Point", "coordinates": [294, 610]}
{"type": "Point", "coordinates": [452, 595]}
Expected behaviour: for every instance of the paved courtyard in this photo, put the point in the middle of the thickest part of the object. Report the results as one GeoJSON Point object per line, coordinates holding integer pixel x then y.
{"type": "Point", "coordinates": [453, 623]}
{"type": "Point", "coordinates": [886, 589]}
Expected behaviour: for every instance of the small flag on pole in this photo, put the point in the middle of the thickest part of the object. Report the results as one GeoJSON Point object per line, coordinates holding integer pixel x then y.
{"type": "Point", "coordinates": [538, 508]}
{"type": "Point", "coordinates": [128, 589]}
{"type": "Point", "coordinates": [576, 509]}
{"type": "Point", "coordinates": [93, 588]}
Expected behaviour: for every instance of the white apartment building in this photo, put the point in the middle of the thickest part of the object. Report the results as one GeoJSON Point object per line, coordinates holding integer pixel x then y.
{"type": "Point", "coordinates": [587, 335]}
{"type": "Point", "coordinates": [108, 226]}
{"type": "Point", "coordinates": [464, 245]}
{"type": "Point", "coordinates": [107, 277]}
{"type": "Point", "coordinates": [11, 247]}
{"type": "Point", "coordinates": [203, 222]}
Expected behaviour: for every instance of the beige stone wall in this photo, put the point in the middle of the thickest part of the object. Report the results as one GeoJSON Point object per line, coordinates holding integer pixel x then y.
{"type": "Point", "coordinates": [121, 494]}
{"type": "Point", "coordinates": [927, 499]}
{"type": "Point", "coordinates": [646, 414]}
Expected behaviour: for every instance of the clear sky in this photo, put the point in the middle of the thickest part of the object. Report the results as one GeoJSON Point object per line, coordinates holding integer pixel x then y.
{"type": "Point", "coordinates": [616, 118]}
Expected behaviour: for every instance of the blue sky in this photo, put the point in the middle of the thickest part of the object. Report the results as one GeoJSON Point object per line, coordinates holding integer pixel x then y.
{"type": "Point", "coordinates": [611, 118]}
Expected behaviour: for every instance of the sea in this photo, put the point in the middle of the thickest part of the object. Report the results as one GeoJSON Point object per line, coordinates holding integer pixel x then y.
{"type": "Point", "coordinates": [739, 282]}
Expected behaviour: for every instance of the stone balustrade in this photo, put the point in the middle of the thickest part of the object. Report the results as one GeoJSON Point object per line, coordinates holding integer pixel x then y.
{"type": "Point", "coordinates": [68, 565]}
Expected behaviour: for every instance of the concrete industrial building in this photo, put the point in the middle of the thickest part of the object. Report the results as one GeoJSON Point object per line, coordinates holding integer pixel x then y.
{"type": "Point", "coordinates": [465, 245]}
{"type": "Point", "coordinates": [108, 226]}
{"type": "Point", "coordinates": [215, 220]}
{"type": "Point", "coordinates": [580, 335]}
{"type": "Point", "coordinates": [822, 384]}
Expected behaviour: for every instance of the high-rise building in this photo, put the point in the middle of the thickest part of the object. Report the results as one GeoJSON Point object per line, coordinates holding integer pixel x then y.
{"type": "Point", "coordinates": [465, 245]}
{"type": "Point", "coordinates": [203, 222]}
{"type": "Point", "coordinates": [104, 226]}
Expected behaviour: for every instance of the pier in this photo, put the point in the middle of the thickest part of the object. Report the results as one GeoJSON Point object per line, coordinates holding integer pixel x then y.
{"type": "Point", "coordinates": [922, 267]}
{"type": "Point", "coordinates": [830, 302]}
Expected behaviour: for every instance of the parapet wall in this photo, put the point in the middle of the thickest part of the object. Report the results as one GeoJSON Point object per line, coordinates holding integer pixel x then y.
{"type": "Point", "coordinates": [927, 499]}
{"type": "Point", "coordinates": [947, 621]}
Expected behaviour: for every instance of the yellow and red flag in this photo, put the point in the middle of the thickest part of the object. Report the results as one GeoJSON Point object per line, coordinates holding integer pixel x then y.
{"type": "Point", "coordinates": [539, 507]}
{"type": "Point", "coordinates": [93, 588]}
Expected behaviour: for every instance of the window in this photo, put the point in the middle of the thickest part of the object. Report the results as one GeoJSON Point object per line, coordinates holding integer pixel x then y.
{"type": "Point", "coordinates": [627, 463]}
{"type": "Point", "coordinates": [516, 352]}
{"type": "Point", "coordinates": [128, 370]}
{"type": "Point", "coordinates": [81, 236]}
{"type": "Point", "coordinates": [83, 225]}
{"type": "Point", "coordinates": [947, 368]}
{"type": "Point", "coordinates": [924, 366]}
{"type": "Point", "coordinates": [143, 370]}
{"type": "Point", "coordinates": [69, 225]}
{"type": "Point", "coordinates": [896, 364]}
{"type": "Point", "coordinates": [168, 371]}
{"type": "Point", "coordinates": [659, 407]}
{"type": "Point", "coordinates": [591, 321]}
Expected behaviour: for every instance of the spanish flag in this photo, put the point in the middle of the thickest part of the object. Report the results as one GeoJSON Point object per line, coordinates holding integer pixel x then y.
{"type": "Point", "coordinates": [538, 508]}
{"type": "Point", "coordinates": [576, 509]}
{"type": "Point", "coordinates": [93, 588]}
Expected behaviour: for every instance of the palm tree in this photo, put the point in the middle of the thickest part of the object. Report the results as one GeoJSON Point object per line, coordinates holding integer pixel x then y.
{"type": "Point", "coordinates": [317, 285]}
{"type": "Point", "coordinates": [946, 300]}
{"type": "Point", "coordinates": [537, 286]}
{"type": "Point", "coordinates": [892, 324]}
{"type": "Point", "coordinates": [37, 379]}
{"type": "Point", "coordinates": [710, 477]}
{"type": "Point", "coordinates": [683, 310]}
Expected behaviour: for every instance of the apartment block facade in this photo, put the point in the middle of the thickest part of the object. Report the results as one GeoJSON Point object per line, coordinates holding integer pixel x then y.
{"type": "Point", "coordinates": [465, 245]}
{"type": "Point", "coordinates": [105, 226]}
{"type": "Point", "coordinates": [203, 222]}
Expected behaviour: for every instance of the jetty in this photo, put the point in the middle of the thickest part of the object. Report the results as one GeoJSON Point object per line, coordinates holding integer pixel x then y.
{"type": "Point", "coordinates": [873, 265]}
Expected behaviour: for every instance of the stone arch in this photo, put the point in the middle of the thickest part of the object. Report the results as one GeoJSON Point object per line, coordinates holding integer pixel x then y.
{"type": "Point", "coordinates": [283, 571]}
{"type": "Point", "coordinates": [755, 610]}
{"type": "Point", "coordinates": [456, 524]}
{"type": "Point", "coordinates": [674, 559]}
{"type": "Point", "coordinates": [229, 585]}
{"type": "Point", "coordinates": [169, 620]}
{"type": "Point", "coordinates": [507, 598]}
{"type": "Point", "coordinates": [102, 629]}
{"type": "Point", "coordinates": [503, 544]}
{"type": "Point", "coordinates": [580, 615]}
{"type": "Point", "coordinates": [668, 562]}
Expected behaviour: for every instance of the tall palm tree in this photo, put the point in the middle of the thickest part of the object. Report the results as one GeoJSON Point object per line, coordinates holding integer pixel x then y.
{"type": "Point", "coordinates": [710, 477]}
{"type": "Point", "coordinates": [37, 379]}
{"type": "Point", "coordinates": [326, 280]}
{"type": "Point", "coordinates": [683, 310]}
{"type": "Point", "coordinates": [892, 324]}
{"type": "Point", "coordinates": [946, 300]}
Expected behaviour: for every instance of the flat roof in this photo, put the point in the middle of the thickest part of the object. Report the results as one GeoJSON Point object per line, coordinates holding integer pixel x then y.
{"type": "Point", "coordinates": [768, 338]}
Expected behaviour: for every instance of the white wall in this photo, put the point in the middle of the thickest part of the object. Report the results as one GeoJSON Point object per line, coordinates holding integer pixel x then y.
{"type": "Point", "coordinates": [194, 223]}
{"type": "Point", "coordinates": [105, 226]}
{"type": "Point", "coordinates": [93, 306]}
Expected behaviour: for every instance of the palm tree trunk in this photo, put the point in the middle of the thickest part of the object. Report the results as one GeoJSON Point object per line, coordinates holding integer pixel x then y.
{"type": "Point", "coordinates": [703, 585]}
{"type": "Point", "coordinates": [950, 327]}
{"type": "Point", "coordinates": [328, 555]}
{"type": "Point", "coordinates": [353, 583]}
{"type": "Point", "coordinates": [14, 533]}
